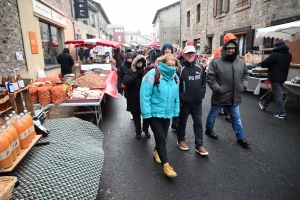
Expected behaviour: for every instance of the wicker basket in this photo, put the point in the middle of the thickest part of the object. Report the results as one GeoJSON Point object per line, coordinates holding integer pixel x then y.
{"type": "Point", "coordinates": [7, 184]}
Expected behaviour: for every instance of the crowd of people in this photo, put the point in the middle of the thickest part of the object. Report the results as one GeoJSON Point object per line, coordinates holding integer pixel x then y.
{"type": "Point", "coordinates": [163, 86]}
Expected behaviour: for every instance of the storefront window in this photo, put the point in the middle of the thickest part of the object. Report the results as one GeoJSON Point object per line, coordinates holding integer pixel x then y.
{"type": "Point", "coordinates": [51, 43]}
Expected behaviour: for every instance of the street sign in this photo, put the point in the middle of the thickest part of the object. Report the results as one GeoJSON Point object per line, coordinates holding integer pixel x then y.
{"type": "Point", "coordinates": [78, 31]}
{"type": "Point", "coordinates": [81, 9]}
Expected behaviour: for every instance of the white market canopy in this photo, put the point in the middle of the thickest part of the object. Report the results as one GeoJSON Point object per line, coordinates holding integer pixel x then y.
{"type": "Point", "coordinates": [289, 31]}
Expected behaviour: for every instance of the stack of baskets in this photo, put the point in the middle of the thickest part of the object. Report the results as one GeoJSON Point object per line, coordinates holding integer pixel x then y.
{"type": "Point", "coordinates": [7, 184]}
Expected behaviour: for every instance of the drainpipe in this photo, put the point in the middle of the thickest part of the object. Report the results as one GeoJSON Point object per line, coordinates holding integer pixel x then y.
{"type": "Point", "coordinates": [72, 12]}
{"type": "Point", "coordinates": [206, 20]}
{"type": "Point", "coordinates": [180, 26]}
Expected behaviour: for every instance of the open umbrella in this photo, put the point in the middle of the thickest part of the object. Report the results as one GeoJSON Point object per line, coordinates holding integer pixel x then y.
{"type": "Point", "coordinates": [289, 31]}
{"type": "Point", "coordinates": [94, 42]}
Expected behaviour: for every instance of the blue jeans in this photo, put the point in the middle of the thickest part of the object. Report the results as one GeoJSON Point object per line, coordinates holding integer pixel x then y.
{"type": "Point", "coordinates": [276, 94]}
{"type": "Point", "coordinates": [196, 111]}
{"type": "Point", "coordinates": [234, 111]}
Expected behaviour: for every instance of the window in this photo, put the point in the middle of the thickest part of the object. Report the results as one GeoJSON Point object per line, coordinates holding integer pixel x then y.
{"type": "Point", "coordinates": [241, 40]}
{"type": "Point", "coordinates": [209, 42]}
{"type": "Point", "coordinates": [197, 45]}
{"type": "Point", "coordinates": [92, 19]}
{"type": "Point", "coordinates": [188, 19]}
{"type": "Point", "coordinates": [51, 42]}
{"type": "Point", "coordinates": [119, 38]}
{"type": "Point", "coordinates": [198, 13]}
{"type": "Point", "coordinates": [131, 37]}
{"type": "Point", "coordinates": [220, 6]}
{"type": "Point", "coordinates": [241, 3]}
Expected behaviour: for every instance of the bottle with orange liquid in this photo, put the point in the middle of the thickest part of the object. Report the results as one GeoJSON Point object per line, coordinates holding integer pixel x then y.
{"type": "Point", "coordinates": [15, 135]}
{"type": "Point", "coordinates": [22, 132]}
{"type": "Point", "coordinates": [6, 96]}
{"type": "Point", "coordinates": [6, 159]}
{"type": "Point", "coordinates": [10, 138]}
{"type": "Point", "coordinates": [30, 120]}
{"type": "Point", "coordinates": [27, 125]}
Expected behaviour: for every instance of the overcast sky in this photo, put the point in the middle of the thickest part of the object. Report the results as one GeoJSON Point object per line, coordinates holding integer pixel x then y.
{"type": "Point", "coordinates": [134, 14]}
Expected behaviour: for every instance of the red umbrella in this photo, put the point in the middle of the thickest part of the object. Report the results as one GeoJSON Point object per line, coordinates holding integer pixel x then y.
{"type": "Point", "coordinates": [94, 42]}
{"type": "Point", "coordinates": [153, 43]}
{"type": "Point", "coordinates": [109, 43]}
{"type": "Point", "coordinates": [74, 42]}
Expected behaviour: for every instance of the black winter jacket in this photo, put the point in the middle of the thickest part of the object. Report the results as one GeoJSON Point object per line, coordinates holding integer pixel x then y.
{"type": "Point", "coordinates": [192, 87]}
{"type": "Point", "coordinates": [154, 55]}
{"type": "Point", "coordinates": [66, 62]}
{"type": "Point", "coordinates": [132, 80]}
{"type": "Point", "coordinates": [278, 63]}
{"type": "Point", "coordinates": [121, 74]}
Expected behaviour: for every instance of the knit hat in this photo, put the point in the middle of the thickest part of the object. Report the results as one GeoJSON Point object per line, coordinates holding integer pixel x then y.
{"type": "Point", "coordinates": [128, 55]}
{"type": "Point", "coordinates": [279, 43]}
{"type": "Point", "coordinates": [231, 45]}
{"type": "Point", "coordinates": [169, 45]}
{"type": "Point", "coordinates": [190, 43]}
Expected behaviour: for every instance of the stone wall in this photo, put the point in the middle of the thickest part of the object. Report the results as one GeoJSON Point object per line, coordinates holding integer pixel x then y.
{"type": "Point", "coordinates": [10, 36]}
{"type": "Point", "coordinates": [62, 5]}
{"type": "Point", "coordinates": [256, 15]}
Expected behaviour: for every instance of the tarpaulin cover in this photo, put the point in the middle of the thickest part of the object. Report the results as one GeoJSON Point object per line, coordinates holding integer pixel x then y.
{"type": "Point", "coordinates": [69, 167]}
{"type": "Point", "coordinates": [94, 42]}
{"type": "Point", "coordinates": [289, 31]}
{"type": "Point", "coordinates": [153, 43]}
{"type": "Point", "coordinates": [110, 84]}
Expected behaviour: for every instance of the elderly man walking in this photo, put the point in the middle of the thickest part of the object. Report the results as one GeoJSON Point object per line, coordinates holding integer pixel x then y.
{"type": "Point", "coordinates": [227, 78]}
{"type": "Point", "coordinates": [192, 90]}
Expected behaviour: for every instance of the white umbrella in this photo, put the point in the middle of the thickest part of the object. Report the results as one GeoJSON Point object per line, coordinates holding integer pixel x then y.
{"type": "Point", "coordinates": [289, 31]}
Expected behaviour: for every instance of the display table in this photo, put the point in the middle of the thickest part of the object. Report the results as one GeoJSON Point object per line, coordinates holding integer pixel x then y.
{"type": "Point", "coordinates": [254, 84]}
{"type": "Point", "coordinates": [292, 88]}
{"type": "Point", "coordinates": [94, 107]}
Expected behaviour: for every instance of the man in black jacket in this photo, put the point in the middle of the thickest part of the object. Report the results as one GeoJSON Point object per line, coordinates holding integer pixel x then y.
{"type": "Point", "coordinates": [155, 54]}
{"type": "Point", "coordinates": [278, 64]}
{"type": "Point", "coordinates": [192, 90]}
{"type": "Point", "coordinates": [66, 62]}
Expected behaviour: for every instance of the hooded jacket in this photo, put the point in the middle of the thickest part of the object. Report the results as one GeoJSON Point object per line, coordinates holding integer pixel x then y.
{"type": "Point", "coordinates": [132, 80]}
{"type": "Point", "coordinates": [227, 78]}
{"type": "Point", "coordinates": [278, 64]}
{"type": "Point", "coordinates": [123, 69]}
{"type": "Point", "coordinates": [169, 45]}
{"type": "Point", "coordinates": [66, 61]}
{"type": "Point", "coordinates": [162, 100]}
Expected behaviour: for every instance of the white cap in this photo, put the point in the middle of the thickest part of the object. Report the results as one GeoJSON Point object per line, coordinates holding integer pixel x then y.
{"type": "Point", "coordinates": [189, 49]}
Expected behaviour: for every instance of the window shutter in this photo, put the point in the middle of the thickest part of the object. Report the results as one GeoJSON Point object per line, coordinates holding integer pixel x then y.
{"type": "Point", "coordinates": [268, 42]}
{"type": "Point", "coordinates": [221, 40]}
{"type": "Point", "coordinates": [239, 3]}
{"type": "Point", "coordinates": [215, 8]}
{"type": "Point", "coordinates": [226, 6]}
{"type": "Point", "coordinates": [250, 39]}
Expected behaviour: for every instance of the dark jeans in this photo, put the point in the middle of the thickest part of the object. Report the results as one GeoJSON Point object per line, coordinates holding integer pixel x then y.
{"type": "Point", "coordinates": [276, 94]}
{"type": "Point", "coordinates": [160, 127]}
{"type": "Point", "coordinates": [175, 121]}
{"type": "Point", "coordinates": [226, 111]}
{"type": "Point", "coordinates": [137, 122]}
{"type": "Point", "coordinates": [196, 111]}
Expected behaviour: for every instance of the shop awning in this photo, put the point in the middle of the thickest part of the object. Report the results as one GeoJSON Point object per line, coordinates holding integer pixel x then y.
{"type": "Point", "coordinates": [94, 42]}
{"type": "Point", "coordinates": [289, 31]}
{"type": "Point", "coordinates": [153, 43]}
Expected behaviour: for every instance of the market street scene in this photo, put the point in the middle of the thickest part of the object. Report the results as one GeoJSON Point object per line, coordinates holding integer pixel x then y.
{"type": "Point", "coordinates": [190, 99]}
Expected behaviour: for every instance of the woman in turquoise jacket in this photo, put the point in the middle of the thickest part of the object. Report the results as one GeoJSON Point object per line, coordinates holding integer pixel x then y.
{"type": "Point", "coordinates": [159, 103]}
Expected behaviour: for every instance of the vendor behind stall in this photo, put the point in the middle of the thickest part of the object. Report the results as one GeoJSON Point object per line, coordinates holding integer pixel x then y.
{"type": "Point", "coordinates": [66, 62]}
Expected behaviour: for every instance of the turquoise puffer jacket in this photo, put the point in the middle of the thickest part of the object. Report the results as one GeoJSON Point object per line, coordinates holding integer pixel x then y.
{"type": "Point", "coordinates": [161, 100]}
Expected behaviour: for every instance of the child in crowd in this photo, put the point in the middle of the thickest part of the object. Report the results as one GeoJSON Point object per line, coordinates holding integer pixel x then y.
{"type": "Point", "coordinates": [160, 103]}
{"type": "Point", "coordinates": [132, 80]}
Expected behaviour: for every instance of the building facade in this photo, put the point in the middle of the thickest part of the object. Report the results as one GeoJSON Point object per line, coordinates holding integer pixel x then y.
{"type": "Point", "coordinates": [136, 38]}
{"type": "Point", "coordinates": [207, 21]}
{"type": "Point", "coordinates": [166, 24]}
{"type": "Point", "coordinates": [117, 32]}
{"type": "Point", "coordinates": [34, 31]}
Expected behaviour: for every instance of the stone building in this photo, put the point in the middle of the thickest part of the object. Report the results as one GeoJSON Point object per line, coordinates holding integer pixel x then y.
{"type": "Point", "coordinates": [207, 21]}
{"type": "Point", "coordinates": [37, 29]}
{"type": "Point", "coordinates": [136, 38]}
{"type": "Point", "coordinates": [166, 24]}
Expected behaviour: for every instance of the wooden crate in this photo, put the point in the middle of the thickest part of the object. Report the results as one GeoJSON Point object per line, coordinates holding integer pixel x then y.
{"type": "Point", "coordinates": [19, 98]}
